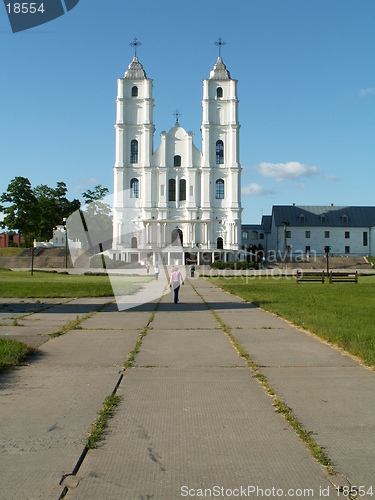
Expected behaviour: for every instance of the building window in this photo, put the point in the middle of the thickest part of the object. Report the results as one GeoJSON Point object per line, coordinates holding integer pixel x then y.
{"type": "Point", "coordinates": [172, 190]}
{"type": "Point", "coordinates": [245, 235]}
{"type": "Point", "coordinates": [177, 161]}
{"type": "Point", "coordinates": [307, 249]}
{"type": "Point", "coordinates": [182, 193]}
{"type": "Point", "coordinates": [323, 218]}
{"type": "Point", "coordinates": [307, 234]}
{"type": "Point", "coordinates": [220, 189]}
{"type": "Point", "coordinates": [365, 243]}
{"type": "Point", "coordinates": [301, 218]}
{"type": "Point", "coordinates": [219, 92]}
{"type": "Point", "coordinates": [134, 188]}
{"type": "Point", "coordinates": [135, 91]}
{"type": "Point", "coordinates": [288, 234]}
{"type": "Point", "coordinates": [219, 244]}
{"type": "Point", "coordinates": [261, 236]}
{"type": "Point", "coordinates": [254, 235]}
{"type": "Point", "coordinates": [219, 152]}
{"type": "Point", "coordinates": [134, 151]}
{"type": "Point", "coordinates": [134, 242]}
{"type": "Point", "coordinates": [347, 234]}
{"type": "Point", "coordinates": [347, 249]}
{"type": "Point", "coordinates": [345, 219]}
{"type": "Point", "coordinates": [326, 234]}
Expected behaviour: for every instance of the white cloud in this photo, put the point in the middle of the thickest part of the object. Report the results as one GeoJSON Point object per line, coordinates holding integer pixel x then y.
{"type": "Point", "coordinates": [366, 92]}
{"type": "Point", "coordinates": [255, 190]}
{"type": "Point", "coordinates": [290, 170]}
{"type": "Point", "coordinates": [331, 177]}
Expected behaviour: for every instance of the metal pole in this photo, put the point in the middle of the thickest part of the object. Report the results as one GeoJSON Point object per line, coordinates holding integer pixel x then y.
{"type": "Point", "coordinates": [32, 260]}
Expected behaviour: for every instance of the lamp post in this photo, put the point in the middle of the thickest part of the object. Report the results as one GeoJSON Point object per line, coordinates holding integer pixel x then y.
{"type": "Point", "coordinates": [66, 242]}
{"type": "Point", "coordinates": [327, 250]}
{"type": "Point", "coordinates": [286, 223]}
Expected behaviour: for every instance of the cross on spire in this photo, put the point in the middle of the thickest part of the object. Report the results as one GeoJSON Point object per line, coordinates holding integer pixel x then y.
{"type": "Point", "coordinates": [177, 114]}
{"type": "Point", "coordinates": [220, 43]}
{"type": "Point", "coordinates": [135, 43]}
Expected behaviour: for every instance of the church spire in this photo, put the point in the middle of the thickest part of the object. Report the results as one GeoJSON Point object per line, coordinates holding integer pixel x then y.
{"type": "Point", "coordinates": [135, 69]}
{"type": "Point", "coordinates": [220, 71]}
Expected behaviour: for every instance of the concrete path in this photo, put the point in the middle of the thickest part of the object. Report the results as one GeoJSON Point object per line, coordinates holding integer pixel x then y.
{"type": "Point", "coordinates": [192, 416]}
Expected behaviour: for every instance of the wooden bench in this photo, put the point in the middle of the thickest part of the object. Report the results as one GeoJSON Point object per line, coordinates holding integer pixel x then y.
{"type": "Point", "coordinates": [336, 276]}
{"type": "Point", "coordinates": [310, 276]}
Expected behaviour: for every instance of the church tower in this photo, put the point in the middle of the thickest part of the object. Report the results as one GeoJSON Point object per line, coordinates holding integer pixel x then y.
{"type": "Point", "coordinates": [134, 146]}
{"type": "Point", "coordinates": [221, 171]}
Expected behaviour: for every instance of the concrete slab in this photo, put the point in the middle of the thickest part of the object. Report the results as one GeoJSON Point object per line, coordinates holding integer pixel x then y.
{"type": "Point", "coordinates": [196, 428]}
{"type": "Point", "coordinates": [120, 321]}
{"type": "Point", "coordinates": [187, 348]}
{"type": "Point", "coordinates": [267, 348]}
{"type": "Point", "coordinates": [48, 407]}
{"type": "Point", "coordinates": [337, 404]}
{"type": "Point", "coordinates": [180, 319]}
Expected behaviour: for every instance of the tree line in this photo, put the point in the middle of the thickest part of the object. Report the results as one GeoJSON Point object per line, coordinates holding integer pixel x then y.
{"type": "Point", "coordinates": [34, 212]}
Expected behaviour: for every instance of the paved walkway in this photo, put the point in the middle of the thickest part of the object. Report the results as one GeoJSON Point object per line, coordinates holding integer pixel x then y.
{"type": "Point", "coordinates": [192, 416]}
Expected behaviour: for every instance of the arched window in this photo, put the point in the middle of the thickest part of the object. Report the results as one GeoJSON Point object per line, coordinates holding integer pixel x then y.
{"type": "Point", "coordinates": [134, 242]}
{"type": "Point", "coordinates": [177, 161]}
{"type": "Point", "coordinates": [219, 92]}
{"type": "Point", "coordinates": [220, 189]}
{"type": "Point", "coordinates": [254, 235]}
{"type": "Point", "coordinates": [323, 218]}
{"type": "Point", "coordinates": [345, 219]}
{"type": "Point", "coordinates": [219, 152]}
{"type": "Point", "coordinates": [182, 190]}
{"type": "Point", "coordinates": [177, 237]}
{"type": "Point", "coordinates": [135, 91]}
{"type": "Point", "coordinates": [134, 151]}
{"type": "Point", "coordinates": [301, 218]}
{"type": "Point", "coordinates": [134, 188]}
{"type": "Point", "coordinates": [245, 235]}
{"type": "Point", "coordinates": [220, 244]}
{"type": "Point", "coordinates": [172, 190]}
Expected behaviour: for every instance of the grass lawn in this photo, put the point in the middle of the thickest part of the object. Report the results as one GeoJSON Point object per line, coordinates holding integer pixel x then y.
{"type": "Point", "coordinates": [342, 313]}
{"type": "Point", "coordinates": [21, 284]}
{"type": "Point", "coordinates": [11, 251]}
{"type": "Point", "coordinates": [13, 353]}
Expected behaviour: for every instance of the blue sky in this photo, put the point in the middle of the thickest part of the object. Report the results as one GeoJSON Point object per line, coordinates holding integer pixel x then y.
{"type": "Point", "coordinates": [306, 84]}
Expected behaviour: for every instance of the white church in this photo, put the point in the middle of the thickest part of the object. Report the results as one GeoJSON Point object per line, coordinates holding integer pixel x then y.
{"type": "Point", "coordinates": [176, 195]}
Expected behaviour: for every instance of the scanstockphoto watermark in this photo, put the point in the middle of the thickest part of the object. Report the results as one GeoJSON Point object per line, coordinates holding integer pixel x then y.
{"type": "Point", "coordinates": [252, 491]}
{"type": "Point", "coordinates": [139, 267]}
{"type": "Point", "coordinates": [25, 15]}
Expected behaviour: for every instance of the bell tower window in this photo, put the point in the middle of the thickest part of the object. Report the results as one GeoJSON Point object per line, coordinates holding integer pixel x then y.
{"type": "Point", "coordinates": [182, 190]}
{"type": "Point", "coordinates": [219, 92]}
{"type": "Point", "coordinates": [220, 189]}
{"type": "Point", "coordinates": [134, 151]}
{"type": "Point", "coordinates": [135, 91]}
{"type": "Point", "coordinates": [219, 152]}
{"type": "Point", "coordinates": [172, 190]}
{"type": "Point", "coordinates": [177, 161]}
{"type": "Point", "coordinates": [134, 188]}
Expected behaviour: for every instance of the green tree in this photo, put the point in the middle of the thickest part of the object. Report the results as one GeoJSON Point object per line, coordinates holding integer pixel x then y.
{"type": "Point", "coordinates": [53, 207]}
{"type": "Point", "coordinates": [20, 209]}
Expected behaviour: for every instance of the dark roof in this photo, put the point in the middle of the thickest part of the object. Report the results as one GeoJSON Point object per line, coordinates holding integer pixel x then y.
{"type": "Point", "coordinates": [314, 216]}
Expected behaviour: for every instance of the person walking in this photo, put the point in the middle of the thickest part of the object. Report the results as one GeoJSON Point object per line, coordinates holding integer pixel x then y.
{"type": "Point", "coordinates": [175, 282]}
{"type": "Point", "coordinates": [192, 270]}
{"type": "Point", "coordinates": [156, 270]}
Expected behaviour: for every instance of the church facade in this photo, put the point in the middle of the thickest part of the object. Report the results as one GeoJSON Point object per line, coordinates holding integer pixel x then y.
{"type": "Point", "coordinates": [176, 195]}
